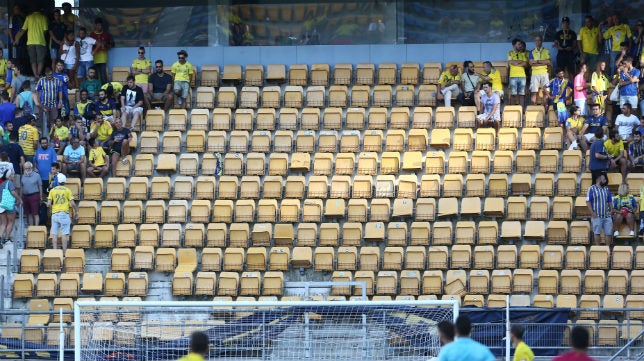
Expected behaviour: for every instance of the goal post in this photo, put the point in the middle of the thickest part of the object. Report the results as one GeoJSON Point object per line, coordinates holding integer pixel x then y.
{"type": "Point", "coordinates": [261, 330]}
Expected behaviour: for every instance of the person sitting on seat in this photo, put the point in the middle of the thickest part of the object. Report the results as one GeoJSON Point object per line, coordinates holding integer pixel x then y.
{"type": "Point", "coordinates": [624, 206]}
{"type": "Point", "coordinates": [491, 108]}
{"type": "Point", "coordinates": [449, 85]}
{"type": "Point", "coordinates": [615, 149]}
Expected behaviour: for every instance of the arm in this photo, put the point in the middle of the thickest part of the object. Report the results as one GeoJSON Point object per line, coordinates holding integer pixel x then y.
{"type": "Point", "coordinates": [16, 195]}
{"type": "Point", "coordinates": [77, 46]}
{"type": "Point", "coordinates": [53, 37]}
{"type": "Point", "coordinates": [168, 89]}
{"type": "Point", "coordinates": [19, 35]}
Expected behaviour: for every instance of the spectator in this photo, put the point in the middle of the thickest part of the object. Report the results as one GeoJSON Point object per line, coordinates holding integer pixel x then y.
{"type": "Point", "coordinates": [28, 139]}
{"type": "Point", "coordinates": [593, 122]}
{"type": "Point", "coordinates": [618, 33]}
{"type": "Point", "coordinates": [53, 176]}
{"type": "Point", "coordinates": [182, 71]}
{"type": "Point", "coordinates": [15, 25]}
{"type": "Point", "coordinates": [83, 108]}
{"type": "Point", "coordinates": [539, 61]}
{"type": "Point", "coordinates": [638, 42]}
{"type": "Point", "coordinates": [105, 105]}
{"type": "Point", "coordinates": [199, 345]}
{"type": "Point", "coordinates": [31, 190]}
{"type": "Point", "coordinates": [7, 109]}
{"type": "Point", "coordinates": [91, 84]}
{"type": "Point", "coordinates": [132, 103]}
{"type": "Point", "coordinates": [589, 42]}
{"type": "Point", "coordinates": [74, 159]}
{"type": "Point", "coordinates": [86, 55]}
{"type": "Point", "coordinates": [5, 164]}
{"type": "Point", "coordinates": [8, 129]}
{"type": "Point", "coordinates": [77, 130]}
{"type": "Point", "coordinates": [490, 74]}
{"type": "Point", "coordinates": [625, 122]}
{"type": "Point", "coordinates": [464, 348]}
{"type": "Point", "coordinates": [15, 153]}
{"type": "Point", "coordinates": [61, 74]}
{"type": "Point", "coordinates": [580, 93]}
{"type": "Point", "coordinates": [61, 201]}
{"type": "Point", "coordinates": [3, 66]}
{"type": "Point", "coordinates": [100, 129]}
{"type": "Point", "coordinates": [522, 352]}
{"type": "Point", "coordinates": [142, 68]}
{"type": "Point", "coordinates": [27, 100]}
{"type": "Point", "coordinates": [599, 201]}
{"type": "Point", "coordinates": [636, 150]}
{"type": "Point", "coordinates": [70, 55]}
{"type": "Point", "coordinates": [50, 90]}
{"type": "Point", "coordinates": [119, 144]}
{"type": "Point", "coordinates": [35, 26]}
{"type": "Point", "coordinates": [70, 20]}
{"type": "Point", "coordinates": [574, 126]}
{"type": "Point", "coordinates": [624, 206]}
{"type": "Point", "coordinates": [518, 62]}
{"type": "Point", "coordinates": [43, 160]}
{"type": "Point", "coordinates": [8, 202]}
{"type": "Point", "coordinates": [599, 160]}
{"type": "Point", "coordinates": [565, 43]}
{"type": "Point", "coordinates": [579, 340]}
{"type": "Point", "coordinates": [640, 128]}
{"type": "Point", "coordinates": [113, 91]}
{"type": "Point", "coordinates": [470, 85]}
{"type": "Point", "coordinates": [99, 163]}
{"type": "Point", "coordinates": [629, 78]}
{"type": "Point", "coordinates": [445, 332]}
{"type": "Point", "coordinates": [449, 85]}
{"type": "Point", "coordinates": [19, 81]}
{"type": "Point", "coordinates": [491, 108]}
{"type": "Point", "coordinates": [557, 92]}
{"type": "Point", "coordinates": [104, 43]}
{"type": "Point", "coordinates": [615, 149]}
{"type": "Point", "coordinates": [58, 136]}
{"type": "Point", "coordinates": [599, 84]}
{"type": "Point", "coordinates": [159, 87]}
{"type": "Point", "coordinates": [56, 37]}
{"type": "Point", "coordinates": [623, 53]}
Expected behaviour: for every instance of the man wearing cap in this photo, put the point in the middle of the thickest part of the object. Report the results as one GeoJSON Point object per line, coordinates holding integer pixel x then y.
{"type": "Point", "coordinates": [565, 43]}
{"type": "Point", "coordinates": [182, 71]}
{"type": "Point", "coordinates": [60, 200]}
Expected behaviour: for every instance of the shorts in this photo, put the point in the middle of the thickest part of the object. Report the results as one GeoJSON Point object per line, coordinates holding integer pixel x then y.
{"type": "Point", "coordinates": [562, 116]}
{"type": "Point", "coordinates": [517, 86]}
{"type": "Point", "coordinates": [73, 167]}
{"type": "Point", "coordinates": [581, 103]}
{"type": "Point", "coordinates": [83, 68]}
{"type": "Point", "coordinates": [60, 222]}
{"type": "Point", "coordinates": [157, 97]}
{"type": "Point", "coordinates": [53, 53]}
{"type": "Point", "coordinates": [184, 86]}
{"type": "Point", "coordinates": [131, 110]}
{"type": "Point", "coordinates": [631, 99]}
{"type": "Point", "coordinates": [590, 136]}
{"type": "Point", "coordinates": [37, 53]}
{"type": "Point", "coordinates": [69, 66]}
{"type": "Point", "coordinates": [483, 116]}
{"type": "Point", "coordinates": [31, 204]}
{"type": "Point", "coordinates": [599, 224]}
{"type": "Point", "coordinates": [538, 80]}
{"type": "Point", "coordinates": [2, 210]}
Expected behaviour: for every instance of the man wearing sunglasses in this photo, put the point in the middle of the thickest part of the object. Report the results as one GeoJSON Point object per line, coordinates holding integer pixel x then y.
{"type": "Point", "coordinates": [141, 68]}
{"type": "Point", "coordinates": [159, 87]}
{"type": "Point", "coordinates": [182, 71]}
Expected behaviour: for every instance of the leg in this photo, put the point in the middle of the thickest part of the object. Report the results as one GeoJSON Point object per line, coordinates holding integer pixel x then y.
{"type": "Point", "coordinates": [83, 171]}
{"type": "Point", "coordinates": [596, 239]}
{"type": "Point", "coordinates": [630, 221]}
{"type": "Point", "coordinates": [135, 119]}
{"type": "Point", "coordinates": [103, 171]}
{"type": "Point", "coordinates": [11, 218]}
{"type": "Point", "coordinates": [115, 159]}
{"type": "Point", "coordinates": [617, 223]}
{"type": "Point", "coordinates": [64, 168]}
{"type": "Point", "coordinates": [124, 117]}
{"type": "Point", "coordinates": [168, 103]}
{"type": "Point", "coordinates": [623, 167]}
{"type": "Point", "coordinates": [90, 172]}
{"type": "Point", "coordinates": [3, 225]}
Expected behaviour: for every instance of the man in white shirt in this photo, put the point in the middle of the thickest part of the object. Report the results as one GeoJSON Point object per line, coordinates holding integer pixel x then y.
{"type": "Point", "coordinates": [490, 108]}
{"type": "Point", "coordinates": [86, 57]}
{"type": "Point", "coordinates": [625, 123]}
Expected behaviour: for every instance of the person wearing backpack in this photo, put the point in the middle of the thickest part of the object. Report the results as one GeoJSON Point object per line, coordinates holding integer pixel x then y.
{"type": "Point", "coordinates": [9, 201]}
{"type": "Point", "coordinates": [27, 100]}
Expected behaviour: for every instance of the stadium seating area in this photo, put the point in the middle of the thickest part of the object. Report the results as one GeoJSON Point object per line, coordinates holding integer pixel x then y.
{"type": "Point", "coordinates": [356, 172]}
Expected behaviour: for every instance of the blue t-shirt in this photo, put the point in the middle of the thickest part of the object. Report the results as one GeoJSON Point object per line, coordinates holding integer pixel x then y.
{"type": "Point", "coordinates": [465, 348]}
{"type": "Point", "coordinates": [44, 158]}
{"type": "Point", "coordinates": [74, 155]}
{"type": "Point", "coordinates": [61, 77]}
{"type": "Point", "coordinates": [598, 147]}
{"type": "Point", "coordinates": [7, 112]}
{"type": "Point", "coordinates": [595, 122]}
{"type": "Point", "coordinates": [629, 89]}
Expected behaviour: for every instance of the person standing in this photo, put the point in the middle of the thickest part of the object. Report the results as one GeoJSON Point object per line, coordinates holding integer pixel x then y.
{"type": "Point", "coordinates": [522, 352]}
{"type": "Point", "coordinates": [9, 200]}
{"type": "Point", "coordinates": [588, 42]}
{"type": "Point", "coordinates": [518, 63]}
{"type": "Point", "coordinates": [104, 43]}
{"type": "Point", "coordinates": [199, 346]}
{"type": "Point", "coordinates": [565, 43]}
{"type": "Point", "coordinates": [35, 25]}
{"type": "Point", "coordinates": [7, 109]}
{"type": "Point", "coordinates": [56, 37]}
{"type": "Point", "coordinates": [600, 203]}
{"type": "Point", "coordinates": [465, 348]}
{"type": "Point", "coordinates": [43, 159]}
{"type": "Point", "coordinates": [539, 60]}
{"type": "Point", "coordinates": [31, 192]}
{"type": "Point", "coordinates": [61, 202]}
{"type": "Point", "coordinates": [629, 78]}
{"type": "Point", "coordinates": [599, 157]}
{"type": "Point", "coordinates": [50, 90]}
{"type": "Point", "coordinates": [182, 72]}
{"type": "Point", "coordinates": [581, 89]}
{"type": "Point", "coordinates": [557, 93]}
{"type": "Point", "coordinates": [28, 139]}
{"type": "Point", "coordinates": [61, 74]}
{"type": "Point", "coordinates": [86, 55]}
{"type": "Point", "coordinates": [141, 68]}
{"type": "Point", "coordinates": [579, 340]}
{"type": "Point", "coordinates": [69, 55]}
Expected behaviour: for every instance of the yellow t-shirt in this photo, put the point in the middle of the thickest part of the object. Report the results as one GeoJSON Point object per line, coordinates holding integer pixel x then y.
{"type": "Point", "coordinates": [61, 133]}
{"type": "Point", "coordinates": [543, 54]}
{"type": "Point", "coordinates": [618, 33]}
{"type": "Point", "coordinates": [447, 77]}
{"type": "Point", "coordinates": [141, 64]}
{"type": "Point", "coordinates": [523, 352]}
{"type": "Point", "coordinates": [599, 81]}
{"type": "Point", "coordinates": [192, 357]}
{"type": "Point", "coordinates": [27, 134]}
{"type": "Point", "coordinates": [36, 25]}
{"type": "Point", "coordinates": [60, 197]}
{"type": "Point", "coordinates": [575, 123]}
{"type": "Point", "coordinates": [116, 86]}
{"type": "Point", "coordinates": [182, 72]}
{"type": "Point", "coordinates": [3, 68]}
{"type": "Point", "coordinates": [103, 132]}
{"type": "Point", "coordinates": [495, 79]}
{"type": "Point", "coordinates": [588, 38]}
{"type": "Point", "coordinates": [517, 71]}
{"type": "Point", "coordinates": [614, 149]}
{"type": "Point", "coordinates": [97, 156]}
{"type": "Point", "coordinates": [641, 198]}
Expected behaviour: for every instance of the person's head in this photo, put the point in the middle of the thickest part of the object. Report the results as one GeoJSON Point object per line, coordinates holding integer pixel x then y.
{"type": "Point", "coordinates": [49, 73]}
{"type": "Point", "coordinates": [102, 95]}
{"type": "Point", "coordinates": [4, 156]}
{"type": "Point", "coordinates": [26, 85]}
{"type": "Point", "coordinates": [98, 25]}
{"type": "Point", "coordinates": [70, 36]}
{"type": "Point", "coordinates": [78, 122]}
{"type": "Point", "coordinates": [602, 179]}
{"type": "Point", "coordinates": [613, 135]}
{"type": "Point", "coordinates": [589, 21]}
{"type": "Point", "coordinates": [445, 331]}
{"type": "Point", "coordinates": [523, 46]}
{"type": "Point", "coordinates": [560, 73]}
{"type": "Point", "coordinates": [130, 82]}
{"type": "Point", "coordinates": [67, 7]}
{"type": "Point", "coordinates": [182, 55]}
{"type": "Point", "coordinates": [600, 67]}
{"type": "Point", "coordinates": [98, 118]}
{"type": "Point", "coordinates": [60, 66]}
{"type": "Point", "coordinates": [158, 66]}
{"type": "Point", "coordinates": [82, 32]}
{"type": "Point", "coordinates": [118, 124]}
{"type": "Point", "coordinates": [28, 167]}
{"type": "Point", "coordinates": [627, 108]}
{"type": "Point", "coordinates": [487, 87]}
{"type": "Point", "coordinates": [56, 15]}
{"type": "Point", "coordinates": [487, 67]}
{"type": "Point", "coordinates": [83, 95]}
{"type": "Point", "coordinates": [565, 23]}
{"type": "Point", "coordinates": [199, 343]}
{"type": "Point", "coordinates": [516, 334]}
{"type": "Point", "coordinates": [75, 143]}
{"type": "Point", "coordinates": [596, 110]}
{"type": "Point", "coordinates": [141, 52]}
{"type": "Point", "coordinates": [599, 133]}
{"type": "Point", "coordinates": [13, 138]}
{"type": "Point", "coordinates": [538, 41]}
{"type": "Point", "coordinates": [463, 326]}
{"type": "Point", "coordinates": [44, 143]}
{"type": "Point", "coordinates": [8, 126]}
{"type": "Point", "coordinates": [58, 122]}
{"type": "Point", "coordinates": [91, 73]}
{"type": "Point", "coordinates": [92, 142]}
{"type": "Point", "coordinates": [628, 60]}
{"type": "Point", "coordinates": [516, 44]}
{"type": "Point", "coordinates": [639, 26]}
{"type": "Point", "coordinates": [579, 338]}
{"type": "Point", "coordinates": [468, 66]}
{"type": "Point", "coordinates": [623, 190]}
{"type": "Point", "coordinates": [453, 70]}
{"type": "Point", "coordinates": [4, 96]}
{"type": "Point", "coordinates": [583, 68]}
{"type": "Point", "coordinates": [575, 110]}
{"type": "Point", "coordinates": [55, 168]}
{"type": "Point", "coordinates": [7, 174]}
{"type": "Point", "coordinates": [11, 63]}
{"type": "Point", "coordinates": [615, 18]}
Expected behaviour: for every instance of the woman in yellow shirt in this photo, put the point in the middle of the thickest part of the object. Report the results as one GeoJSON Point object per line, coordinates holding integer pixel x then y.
{"type": "Point", "coordinates": [574, 124]}
{"type": "Point", "coordinates": [599, 84]}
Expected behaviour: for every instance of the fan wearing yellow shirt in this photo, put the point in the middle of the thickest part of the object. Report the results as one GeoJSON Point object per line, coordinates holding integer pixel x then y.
{"type": "Point", "coordinates": [199, 345]}
{"type": "Point", "coordinates": [539, 61]}
{"type": "Point", "coordinates": [522, 351]}
{"type": "Point", "coordinates": [574, 125]}
{"type": "Point", "coordinates": [61, 201]}
{"type": "Point", "coordinates": [490, 74]}
{"type": "Point", "coordinates": [618, 33]}
{"type": "Point", "coordinates": [449, 85]}
{"type": "Point", "coordinates": [98, 161]}
{"type": "Point", "coordinates": [518, 62]}
{"type": "Point", "coordinates": [36, 25]}
{"type": "Point", "coordinates": [182, 71]}
{"type": "Point", "coordinates": [100, 129]}
{"type": "Point", "coordinates": [141, 68]}
{"type": "Point", "coordinates": [588, 42]}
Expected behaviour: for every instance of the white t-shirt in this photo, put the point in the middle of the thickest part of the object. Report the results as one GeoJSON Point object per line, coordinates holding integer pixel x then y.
{"type": "Point", "coordinates": [488, 104]}
{"type": "Point", "coordinates": [625, 125]}
{"type": "Point", "coordinates": [70, 57]}
{"type": "Point", "coordinates": [86, 48]}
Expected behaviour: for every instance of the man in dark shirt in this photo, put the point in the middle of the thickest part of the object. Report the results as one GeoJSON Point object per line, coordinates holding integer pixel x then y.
{"type": "Point", "coordinates": [159, 88]}
{"type": "Point", "coordinates": [119, 144]}
{"type": "Point", "coordinates": [15, 153]}
{"type": "Point", "coordinates": [595, 121]}
{"type": "Point", "coordinates": [599, 157]}
{"type": "Point", "coordinates": [131, 103]}
{"type": "Point", "coordinates": [7, 109]}
{"type": "Point", "coordinates": [566, 42]}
